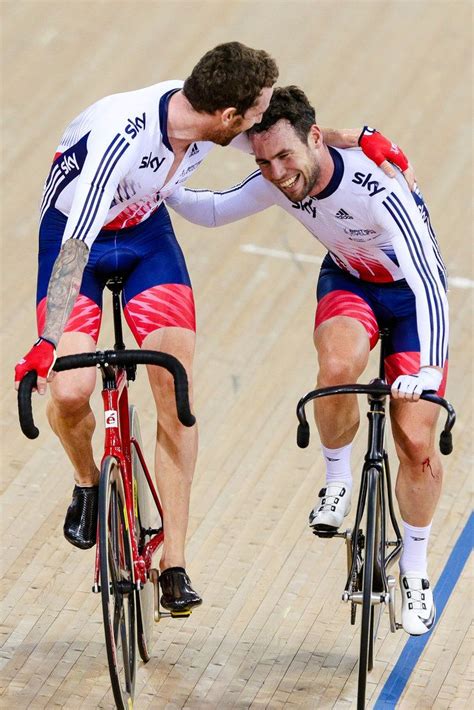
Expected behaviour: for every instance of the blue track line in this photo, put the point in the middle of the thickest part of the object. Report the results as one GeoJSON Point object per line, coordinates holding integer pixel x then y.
{"type": "Point", "coordinates": [398, 678]}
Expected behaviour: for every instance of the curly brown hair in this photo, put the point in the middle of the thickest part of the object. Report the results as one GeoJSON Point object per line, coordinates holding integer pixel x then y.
{"type": "Point", "coordinates": [231, 74]}
{"type": "Point", "coordinates": [292, 104]}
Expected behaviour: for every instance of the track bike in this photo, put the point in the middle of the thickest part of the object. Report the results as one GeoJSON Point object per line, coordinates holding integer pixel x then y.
{"type": "Point", "coordinates": [371, 548]}
{"type": "Point", "coordinates": [130, 522]}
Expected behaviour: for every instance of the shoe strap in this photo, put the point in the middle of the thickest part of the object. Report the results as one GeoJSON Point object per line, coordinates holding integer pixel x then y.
{"type": "Point", "coordinates": [417, 596]}
{"type": "Point", "coordinates": [173, 569]}
{"type": "Point", "coordinates": [330, 498]}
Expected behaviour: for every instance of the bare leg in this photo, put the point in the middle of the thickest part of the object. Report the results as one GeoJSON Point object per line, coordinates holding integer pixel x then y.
{"type": "Point", "coordinates": [343, 350]}
{"type": "Point", "coordinates": [420, 473]}
{"type": "Point", "coordinates": [418, 489]}
{"type": "Point", "coordinates": [176, 447]}
{"type": "Point", "coordinates": [69, 412]}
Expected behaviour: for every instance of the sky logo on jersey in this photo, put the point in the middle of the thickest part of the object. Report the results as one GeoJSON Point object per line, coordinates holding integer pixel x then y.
{"type": "Point", "coordinates": [151, 162]}
{"type": "Point", "coordinates": [365, 181]}
{"type": "Point", "coordinates": [68, 163]}
{"type": "Point", "coordinates": [306, 207]}
{"type": "Point", "coordinates": [134, 126]}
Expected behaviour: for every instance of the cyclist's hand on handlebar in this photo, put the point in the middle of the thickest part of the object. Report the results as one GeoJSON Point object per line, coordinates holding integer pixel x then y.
{"type": "Point", "coordinates": [383, 152]}
{"type": "Point", "coordinates": [410, 387]}
{"type": "Point", "coordinates": [40, 358]}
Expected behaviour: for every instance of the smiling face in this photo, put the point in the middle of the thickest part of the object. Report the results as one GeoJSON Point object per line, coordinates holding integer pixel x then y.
{"type": "Point", "coordinates": [291, 165]}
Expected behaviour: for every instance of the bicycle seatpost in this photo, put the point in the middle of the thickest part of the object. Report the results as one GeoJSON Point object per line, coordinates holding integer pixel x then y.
{"type": "Point", "coordinates": [115, 284]}
{"type": "Point", "coordinates": [383, 333]}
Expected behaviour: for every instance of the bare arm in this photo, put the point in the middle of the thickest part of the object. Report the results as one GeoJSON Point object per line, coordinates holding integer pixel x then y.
{"type": "Point", "coordinates": [341, 137]}
{"type": "Point", "coordinates": [64, 286]}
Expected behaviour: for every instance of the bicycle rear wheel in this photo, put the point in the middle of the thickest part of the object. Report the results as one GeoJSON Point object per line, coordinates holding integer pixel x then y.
{"type": "Point", "coordinates": [147, 519]}
{"type": "Point", "coordinates": [367, 618]}
{"type": "Point", "coordinates": [117, 584]}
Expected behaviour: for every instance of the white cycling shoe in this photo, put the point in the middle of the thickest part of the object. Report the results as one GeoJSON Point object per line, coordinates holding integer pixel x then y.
{"type": "Point", "coordinates": [333, 506]}
{"type": "Point", "coordinates": [418, 608]}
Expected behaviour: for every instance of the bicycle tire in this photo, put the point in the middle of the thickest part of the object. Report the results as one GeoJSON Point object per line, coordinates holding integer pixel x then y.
{"type": "Point", "coordinates": [366, 627]}
{"type": "Point", "coordinates": [146, 517]}
{"type": "Point", "coordinates": [117, 584]}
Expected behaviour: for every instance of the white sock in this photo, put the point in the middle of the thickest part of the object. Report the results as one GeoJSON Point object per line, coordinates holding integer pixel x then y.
{"type": "Point", "coordinates": [338, 464]}
{"type": "Point", "coordinates": [415, 546]}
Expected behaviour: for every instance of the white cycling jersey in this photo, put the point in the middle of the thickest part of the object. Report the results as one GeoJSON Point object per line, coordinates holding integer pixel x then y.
{"type": "Point", "coordinates": [372, 226]}
{"type": "Point", "coordinates": [110, 168]}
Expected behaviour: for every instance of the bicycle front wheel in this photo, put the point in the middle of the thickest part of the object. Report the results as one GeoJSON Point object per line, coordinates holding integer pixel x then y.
{"type": "Point", "coordinates": [367, 617]}
{"type": "Point", "coordinates": [117, 584]}
{"type": "Point", "coordinates": [147, 523]}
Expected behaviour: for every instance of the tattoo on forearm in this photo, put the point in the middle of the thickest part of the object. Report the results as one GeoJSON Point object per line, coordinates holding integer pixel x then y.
{"type": "Point", "coordinates": [64, 286]}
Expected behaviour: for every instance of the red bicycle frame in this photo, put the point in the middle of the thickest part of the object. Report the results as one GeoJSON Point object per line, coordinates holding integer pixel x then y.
{"type": "Point", "coordinates": [118, 444]}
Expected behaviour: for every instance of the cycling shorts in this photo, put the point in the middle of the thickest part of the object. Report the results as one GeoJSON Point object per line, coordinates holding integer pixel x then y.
{"type": "Point", "coordinates": [157, 291]}
{"type": "Point", "coordinates": [381, 306]}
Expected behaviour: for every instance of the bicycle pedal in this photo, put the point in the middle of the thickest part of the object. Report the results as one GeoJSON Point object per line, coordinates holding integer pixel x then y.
{"type": "Point", "coordinates": [180, 614]}
{"type": "Point", "coordinates": [325, 533]}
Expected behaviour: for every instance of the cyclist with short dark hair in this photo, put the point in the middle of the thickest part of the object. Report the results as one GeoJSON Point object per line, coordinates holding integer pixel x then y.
{"type": "Point", "coordinates": [383, 269]}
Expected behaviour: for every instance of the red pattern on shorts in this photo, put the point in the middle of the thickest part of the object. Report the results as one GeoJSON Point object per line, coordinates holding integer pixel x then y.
{"type": "Point", "coordinates": [85, 317]}
{"type": "Point", "coordinates": [408, 364]}
{"type": "Point", "coordinates": [165, 306]}
{"type": "Point", "coordinates": [346, 303]}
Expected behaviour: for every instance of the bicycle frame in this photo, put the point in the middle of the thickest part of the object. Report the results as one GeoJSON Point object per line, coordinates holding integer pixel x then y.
{"type": "Point", "coordinates": [118, 443]}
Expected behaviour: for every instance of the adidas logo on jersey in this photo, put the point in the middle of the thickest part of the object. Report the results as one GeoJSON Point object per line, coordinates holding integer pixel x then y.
{"type": "Point", "coordinates": [194, 150]}
{"type": "Point", "coordinates": [342, 214]}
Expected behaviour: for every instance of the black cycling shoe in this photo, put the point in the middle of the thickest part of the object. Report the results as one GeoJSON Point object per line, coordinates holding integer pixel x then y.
{"type": "Point", "coordinates": [177, 593]}
{"type": "Point", "coordinates": [80, 524]}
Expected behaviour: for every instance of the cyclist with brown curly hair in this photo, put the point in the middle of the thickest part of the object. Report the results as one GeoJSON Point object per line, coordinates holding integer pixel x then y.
{"type": "Point", "coordinates": [102, 214]}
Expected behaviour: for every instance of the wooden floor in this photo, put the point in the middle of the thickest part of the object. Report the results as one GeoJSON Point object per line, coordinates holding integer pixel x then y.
{"type": "Point", "coordinates": [272, 631]}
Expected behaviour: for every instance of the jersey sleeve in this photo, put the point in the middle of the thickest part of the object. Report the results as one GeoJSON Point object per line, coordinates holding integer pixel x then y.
{"type": "Point", "coordinates": [416, 252]}
{"type": "Point", "coordinates": [109, 155]}
{"type": "Point", "coordinates": [213, 209]}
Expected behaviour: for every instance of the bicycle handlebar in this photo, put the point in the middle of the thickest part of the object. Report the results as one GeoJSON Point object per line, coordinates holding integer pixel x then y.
{"type": "Point", "coordinates": [375, 388]}
{"type": "Point", "coordinates": [104, 358]}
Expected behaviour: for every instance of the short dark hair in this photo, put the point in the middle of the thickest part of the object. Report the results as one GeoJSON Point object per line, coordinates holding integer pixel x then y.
{"type": "Point", "coordinates": [231, 74]}
{"type": "Point", "coordinates": [292, 104]}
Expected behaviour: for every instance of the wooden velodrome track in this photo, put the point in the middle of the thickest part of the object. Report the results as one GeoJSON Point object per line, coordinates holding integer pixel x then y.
{"type": "Point", "coordinates": [272, 631]}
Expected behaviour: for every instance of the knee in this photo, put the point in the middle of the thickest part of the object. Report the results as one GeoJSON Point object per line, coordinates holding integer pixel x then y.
{"type": "Point", "coordinates": [70, 395]}
{"type": "Point", "coordinates": [337, 369]}
{"type": "Point", "coordinates": [416, 451]}
{"type": "Point", "coordinates": [343, 351]}
{"type": "Point", "coordinates": [162, 384]}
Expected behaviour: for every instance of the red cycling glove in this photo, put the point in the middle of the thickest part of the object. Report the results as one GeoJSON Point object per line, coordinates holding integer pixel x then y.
{"type": "Point", "coordinates": [378, 148]}
{"type": "Point", "coordinates": [39, 358]}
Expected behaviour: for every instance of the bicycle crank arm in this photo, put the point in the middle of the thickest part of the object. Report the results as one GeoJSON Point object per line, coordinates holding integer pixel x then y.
{"type": "Point", "coordinates": [154, 576]}
{"type": "Point", "coordinates": [391, 603]}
